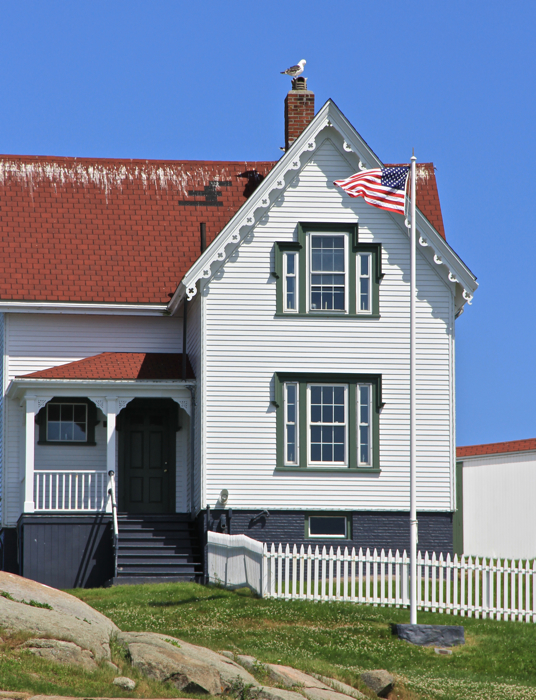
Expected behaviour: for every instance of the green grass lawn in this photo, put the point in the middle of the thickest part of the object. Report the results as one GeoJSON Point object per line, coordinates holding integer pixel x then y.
{"type": "Point", "coordinates": [332, 638]}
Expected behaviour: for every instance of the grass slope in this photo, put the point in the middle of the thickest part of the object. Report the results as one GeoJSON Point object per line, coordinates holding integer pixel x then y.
{"type": "Point", "coordinates": [337, 639]}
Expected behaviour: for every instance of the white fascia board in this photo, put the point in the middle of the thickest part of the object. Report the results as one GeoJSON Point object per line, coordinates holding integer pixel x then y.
{"type": "Point", "coordinates": [19, 387]}
{"type": "Point", "coordinates": [275, 182]}
{"type": "Point", "coordinates": [66, 307]}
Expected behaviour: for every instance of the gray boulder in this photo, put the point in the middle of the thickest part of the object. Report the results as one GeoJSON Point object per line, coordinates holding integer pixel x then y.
{"type": "Point", "coordinates": [69, 620]}
{"type": "Point", "coordinates": [61, 652]}
{"type": "Point", "coordinates": [124, 682]}
{"type": "Point", "coordinates": [380, 682]}
{"type": "Point", "coordinates": [326, 694]}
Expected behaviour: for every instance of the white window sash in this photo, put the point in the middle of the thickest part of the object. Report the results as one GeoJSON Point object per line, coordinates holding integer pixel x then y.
{"type": "Point", "coordinates": [358, 278]}
{"type": "Point", "coordinates": [332, 464]}
{"type": "Point", "coordinates": [346, 237]}
{"type": "Point", "coordinates": [361, 424]}
{"type": "Point", "coordinates": [296, 423]}
{"type": "Point", "coordinates": [285, 282]}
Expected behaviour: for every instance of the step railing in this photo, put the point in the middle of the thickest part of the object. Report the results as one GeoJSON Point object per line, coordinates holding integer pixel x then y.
{"type": "Point", "coordinates": [67, 490]}
{"type": "Point", "coordinates": [115, 525]}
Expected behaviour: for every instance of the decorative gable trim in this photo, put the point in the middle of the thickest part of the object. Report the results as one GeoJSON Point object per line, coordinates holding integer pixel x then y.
{"type": "Point", "coordinates": [253, 210]}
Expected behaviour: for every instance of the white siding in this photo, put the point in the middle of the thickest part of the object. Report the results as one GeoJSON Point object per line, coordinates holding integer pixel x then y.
{"type": "Point", "coordinates": [499, 518]}
{"type": "Point", "coordinates": [246, 344]}
{"type": "Point", "coordinates": [39, 341]}
{"type": "Point", "coordinates": [194, 343]}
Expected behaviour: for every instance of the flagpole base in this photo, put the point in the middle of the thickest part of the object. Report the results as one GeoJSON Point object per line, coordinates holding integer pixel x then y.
{"type": "Point", "coordinates": [431, 635]}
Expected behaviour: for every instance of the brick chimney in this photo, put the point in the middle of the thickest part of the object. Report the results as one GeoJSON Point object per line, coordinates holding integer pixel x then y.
{"type": "Point", "coordinates": [299, 110]}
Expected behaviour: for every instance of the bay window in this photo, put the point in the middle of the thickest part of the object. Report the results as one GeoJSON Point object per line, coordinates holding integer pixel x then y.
{"type": "Point", "coordinates": [327, 272]}
{"type": "Point", "coordinates": [328, 421]}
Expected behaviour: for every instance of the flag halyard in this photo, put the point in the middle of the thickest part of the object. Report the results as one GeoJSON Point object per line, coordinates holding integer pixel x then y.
{"type": "Point", "coordinates": [384, 188]}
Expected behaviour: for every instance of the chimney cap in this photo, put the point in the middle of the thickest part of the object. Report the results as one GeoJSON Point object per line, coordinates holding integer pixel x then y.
{"type": "Point", "coordinates": [299, 83]}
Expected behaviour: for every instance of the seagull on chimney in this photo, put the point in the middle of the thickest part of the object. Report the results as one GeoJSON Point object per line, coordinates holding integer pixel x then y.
{"type": "Point", "coordinates": [294, 71]}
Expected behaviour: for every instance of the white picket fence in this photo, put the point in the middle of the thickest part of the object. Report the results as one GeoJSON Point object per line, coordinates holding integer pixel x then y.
{"type": "Point", "coordinates": [236, 561]}
{"type": "Point", "coordinates": [466, 586]}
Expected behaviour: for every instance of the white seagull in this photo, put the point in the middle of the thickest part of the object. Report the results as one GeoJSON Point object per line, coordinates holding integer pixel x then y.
{"type": "Point", "coordinates": [294, 71]}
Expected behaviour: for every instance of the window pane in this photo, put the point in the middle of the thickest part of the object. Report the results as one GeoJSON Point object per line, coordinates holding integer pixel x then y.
{"type": "Point", "coordinates": [291, 293]}
{"type": "Point", "coordinates": [365, 259]}
{"type": "Point", "coordinates": [364, 448]}
{"type": "Point", "coordinates": [364, 294]}
{"type": "Point", "coordinates": [327, 526]}
{"type": "Point", "coordinates": [79, 431]}
{"type": "Point", "coordinates": [53, 431]}
{"type": "Point", "coordinates": [291, 443]}
{"type": "Point", "coordinates": [316, 452]}
{"type": "Point", "coordinates": [53, 411]}
{"type": "Point", "coordinates": [66, 411]}
{"type": "Point", "coordinates": [290, 263]}
{"type": "Point", "coordinates": [66, 431]}
{"type": "Point", "coordinates": [316, 394]}
{"type": "Point", "coordinates": [80, 413]}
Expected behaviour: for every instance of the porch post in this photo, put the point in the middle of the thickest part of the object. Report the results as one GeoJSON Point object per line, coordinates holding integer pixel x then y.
{"type": "Point", "coordinates": [111, 414]}
{"type": "Point", "coordinates": [31, 406]}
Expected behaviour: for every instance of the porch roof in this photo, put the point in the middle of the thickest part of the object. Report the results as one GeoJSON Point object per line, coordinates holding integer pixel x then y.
{"type": "Point", "coordinates": [120, 366]}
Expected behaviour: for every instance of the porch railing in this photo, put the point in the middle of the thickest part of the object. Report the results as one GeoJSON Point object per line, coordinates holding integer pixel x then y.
{"type": "Point", "coordinates": [70, 491]}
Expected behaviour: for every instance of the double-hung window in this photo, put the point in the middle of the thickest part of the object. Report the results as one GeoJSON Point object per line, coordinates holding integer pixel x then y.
{"type": "Point", "coordinates": [327, 272]}
{"type": "Point", "coordinates": [328, 421]}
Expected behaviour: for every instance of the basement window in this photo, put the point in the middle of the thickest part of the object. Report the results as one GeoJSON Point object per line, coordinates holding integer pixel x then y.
{"type": "Point", "coordinates": [327, 527]}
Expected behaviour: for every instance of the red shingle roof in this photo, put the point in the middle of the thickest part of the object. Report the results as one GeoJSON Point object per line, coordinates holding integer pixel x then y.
{"type": "Point", "coordinates": [99, 230]}
{"type": "Point", "coordinates": [497, 448]}
{"type": "Point", "coordinates": [120, 365]}
{"type": "Point", "coordinates": [127, 231]}
{"type": "Point", "coordinates": [428, 197]}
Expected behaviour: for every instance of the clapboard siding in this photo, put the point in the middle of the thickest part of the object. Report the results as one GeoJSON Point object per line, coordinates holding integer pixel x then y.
{"type": "Point", "coordinates": [194, 350]}
{"type": "Point", "coordinates": [39, 341]}
{"type": "Point", "coordinates": [67, 337]}
{"type": "Point", "coordinates": [499, 519]}
{"type": "Point", "coordinates": [246, 344]}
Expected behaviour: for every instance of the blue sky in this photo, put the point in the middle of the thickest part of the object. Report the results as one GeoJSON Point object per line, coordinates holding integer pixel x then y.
{"type": "Point", "coordinates": [173, 79]}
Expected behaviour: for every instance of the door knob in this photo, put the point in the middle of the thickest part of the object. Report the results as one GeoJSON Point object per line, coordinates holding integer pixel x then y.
{"type": "Point", "coordinates": [165, 470]}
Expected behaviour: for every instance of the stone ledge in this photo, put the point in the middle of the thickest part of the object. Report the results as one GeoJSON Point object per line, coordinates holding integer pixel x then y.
{"type": "Point", "coordinates": [431, 635]}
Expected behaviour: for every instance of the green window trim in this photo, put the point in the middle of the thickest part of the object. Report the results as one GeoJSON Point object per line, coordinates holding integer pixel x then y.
{"type": "Point", "coordinates": [300, 247]}
{"type": "Point", "coordinates": [303, 379]}
{"type": "Point", "coordinates": [41, 421]}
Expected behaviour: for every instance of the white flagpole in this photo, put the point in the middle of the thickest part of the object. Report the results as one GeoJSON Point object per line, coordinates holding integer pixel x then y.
{"type": "Point", "coordinates": [412, 409]}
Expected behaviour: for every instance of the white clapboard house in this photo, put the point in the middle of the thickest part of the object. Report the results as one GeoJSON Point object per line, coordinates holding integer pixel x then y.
{"type": "Point", "coordinates": [227, 345]}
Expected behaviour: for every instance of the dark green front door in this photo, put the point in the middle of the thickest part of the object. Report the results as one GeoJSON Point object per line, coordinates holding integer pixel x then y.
{"type": "Point", "coordinates": [147, 456]}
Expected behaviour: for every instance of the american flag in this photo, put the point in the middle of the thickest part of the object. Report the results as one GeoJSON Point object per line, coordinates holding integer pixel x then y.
{"type": "Point", "coordinates": [384, 188]}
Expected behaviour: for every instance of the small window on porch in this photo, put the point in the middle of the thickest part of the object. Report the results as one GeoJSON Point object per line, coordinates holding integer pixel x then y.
{"type": "Point", "coordinates": [67, 422]}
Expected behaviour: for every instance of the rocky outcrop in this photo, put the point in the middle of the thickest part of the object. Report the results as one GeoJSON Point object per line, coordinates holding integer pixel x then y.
{"type": "Point", "coordinates": [46, 612]}
{"type": "Point", "coordinates": [124, 682]}
{"type": "Point", "coordinates": [61, 652]}
{"type": "Point", "coordinates": [189, 668]}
